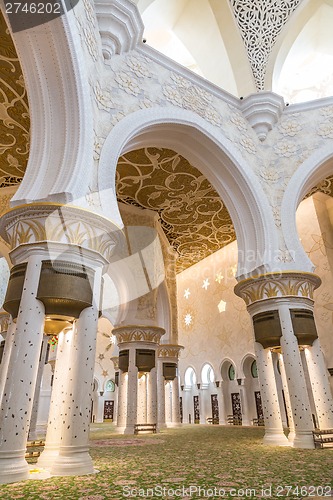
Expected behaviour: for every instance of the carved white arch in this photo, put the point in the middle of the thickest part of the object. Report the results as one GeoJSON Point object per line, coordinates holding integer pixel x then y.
{"type": "Point", "coordinates": [224, 369]}
{"type": "Point", "coordinates": [249, 356]}
{"type": "Point", "coordinates": [313, 170]}
{"type": "Point", "coordinates": [208, 367]}
{"type": "Point", "coordinates": [215, 156]}
{"type": "Point", "coordinates": [61, 150]}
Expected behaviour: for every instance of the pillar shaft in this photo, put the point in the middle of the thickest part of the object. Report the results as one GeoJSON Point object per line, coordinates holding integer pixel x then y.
{"type": "Point", "coordinates": [291, 435]}
{"type": "Point", "coordinates": [320, 384]}
{"type": "Point", "coordinates": [152, 396]}
{"type": "Point", "coordinates": [74, 458]}
{"type": "Point", "coordinates": [175, 402]}
{"type": "Point", "coordinates": [270, 402]}
{"type": "Point", "coordinates": [34, 414]}
{"type": "Point", "coordinates": [20, 383]}
{"type": "Point", "coordinates": [6, 355]}
{"type": "Point", "coordinates": [132, 393]}
{"type": "Point", "coordinates": [299, 398]}
{"type": "Point", "coordinates": [60, 378]}
{"type": "Point", "coordinates": [160, 395]}
{"type": "Point", "coordinates": [122, 398]}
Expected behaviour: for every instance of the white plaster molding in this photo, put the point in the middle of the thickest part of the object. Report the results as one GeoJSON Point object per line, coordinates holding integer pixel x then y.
{"type": "Point", "coordinates": [120, 26]}
{"type": "Point", "coordinates": [215, 156]}
{"type": "Point", "coordinates": [61, 116]}
{"type": "Point", "coordinates": [262, 111]}
{"type": "Point", "coordinates": [316, 168]}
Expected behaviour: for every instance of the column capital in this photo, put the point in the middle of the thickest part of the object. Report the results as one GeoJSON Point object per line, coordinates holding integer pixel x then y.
{"type": "Point", "coordinates": [137, 333]}
{"type": "Point", "coordinates": [44, 222]}
{"type": "Point", "coordinates": [4, 323]}
{"type": "Point", "coordinates": [270, 286]}
{"type": "Point", "coordinates": [115, 361]}
{"type": "Point", "coordinates": [169, 351]}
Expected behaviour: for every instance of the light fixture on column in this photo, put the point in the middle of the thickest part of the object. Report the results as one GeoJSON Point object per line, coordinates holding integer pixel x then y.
{"type": "Point", "coordinates": [182, 387]}
{"type": "Point", "coordinates": [217, 383]}
{"type": "Point", "coordinates": [101, 393]}
{"type": "Point", "coordinates": [198, 386]}
{"type": "Point", "coordinates": [239, 381]}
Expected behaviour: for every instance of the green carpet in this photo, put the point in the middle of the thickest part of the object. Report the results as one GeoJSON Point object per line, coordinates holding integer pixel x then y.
{"type": "Point", "coordinates": [166, 465]}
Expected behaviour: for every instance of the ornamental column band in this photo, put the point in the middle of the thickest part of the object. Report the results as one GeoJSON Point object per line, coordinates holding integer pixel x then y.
{"type": "Point", "coordinates": [168, 355]}
{"type": "Point", "coordinates": [57, 252]}
{"type": "Point", "coordinates": [281, 307]}
{"type": "Point", "coordinates": [137, 359]}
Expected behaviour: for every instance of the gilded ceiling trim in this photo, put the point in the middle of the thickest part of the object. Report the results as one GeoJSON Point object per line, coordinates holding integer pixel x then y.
{"type": "Point", "coordinates": [14, 113]}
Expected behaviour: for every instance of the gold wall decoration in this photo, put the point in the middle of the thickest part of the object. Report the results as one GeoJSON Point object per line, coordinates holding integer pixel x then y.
{"type": "Point", "coordinates": [169, 351]}
{"type": "Point", "coordinates": [273, 286]}
{"type": "Point", "coordinates": [14, 113]}
{"type": "Point", "coordinates": [136, 333]}
{"type": "Point", "coordinates": [192, 215]}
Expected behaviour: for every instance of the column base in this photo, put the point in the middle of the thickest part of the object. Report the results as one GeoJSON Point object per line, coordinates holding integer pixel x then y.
{"type": "Point", "coordinates": [13, 466]}
{"type": "Point", "coordinates": [172, 425]}
{"type": "Point", "coordinates": [48, 457]}
{"type": "Point", "coordinates": [33, 436]}
{"type": "Point", "coordinates": [161, 426]}
{"type": "Point", "coordinates": [275, 437]}
{"type": "Point", "coordinates": [129, 429]}
{"type": "Point", "coordinates": [73, 461]}
{"type": "Point", "coordinates": [303, 439]}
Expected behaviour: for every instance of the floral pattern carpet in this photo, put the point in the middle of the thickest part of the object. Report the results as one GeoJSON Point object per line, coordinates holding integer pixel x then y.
{"type": "Point", "coordinates": [188, 463]}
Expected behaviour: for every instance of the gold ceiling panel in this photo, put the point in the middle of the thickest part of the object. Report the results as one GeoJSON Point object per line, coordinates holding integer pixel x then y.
{"type": "Point", "coordinates": [14, 113]}
{"type": "Point", "coordinates": [193, 216]}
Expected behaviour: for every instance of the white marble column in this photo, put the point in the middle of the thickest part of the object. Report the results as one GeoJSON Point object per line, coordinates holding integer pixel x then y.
{"type": "Point", "coordinates": [74, 457]}
{"type": "Point", "coordinates": [6, 355]}
{"type": "Point", "coordinates": [274, 435]}
{"type": "Point", "coordinates": [175, 403]}
{"type": "Point", "coordinates": [291, 435]}
{"type": "Point", "coordinates": [320, 384]}
{"type": "Point", "coordinates": [132, 393]}
{"type": "Point", "coordinates": [160, 395]}
{"type": "Point", "coordinates": [60, 378]}
{"type": "Point", "coordinates": [152, 396]}
{"type": "Point", "coordinates": [168, 404]}
{"type": "Point", "coordinates": [21, 377]}
{"type": "Point", "coordinates": [244, 404]}
{"type": "Point", "coordinates": [122, 398]}
{"type": "Point", "coordinates": [220, 398]}
{"type": "Point", "coordinates": [32, 436]}
{"type": "Point", "coordinates": [299, 398]}
{"type": "Point", "coordinates": [141, 414]}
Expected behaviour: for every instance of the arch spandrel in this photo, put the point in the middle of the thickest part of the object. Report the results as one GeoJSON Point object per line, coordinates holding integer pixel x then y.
{"type": "Point", "coordinates": [215, 157]}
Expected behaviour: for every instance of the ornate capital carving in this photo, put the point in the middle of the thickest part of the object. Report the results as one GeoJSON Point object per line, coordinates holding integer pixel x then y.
{"type": "Point", "coordinates": [120, 26]}
{"type": "Point", "coordinates": [4, 323]}
{"type": "Point", "coordinates": [169, 351]}
{"type": "Point", "coordinates": [135, 333]}
{"type": "Point", "coordinates": [52, 222]}
{"type": "Point", "coordinates": [115, 361]}
{"type": "Point", "coordinates": [277, 285]}
{"type": "Point", "coordinates": [262, 111]}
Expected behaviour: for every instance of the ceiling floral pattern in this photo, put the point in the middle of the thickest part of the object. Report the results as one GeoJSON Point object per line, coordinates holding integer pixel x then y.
{"type": "Point", "coordinates": [194, 218]}
{"type": "Point", "coordinates": [14, 113]}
